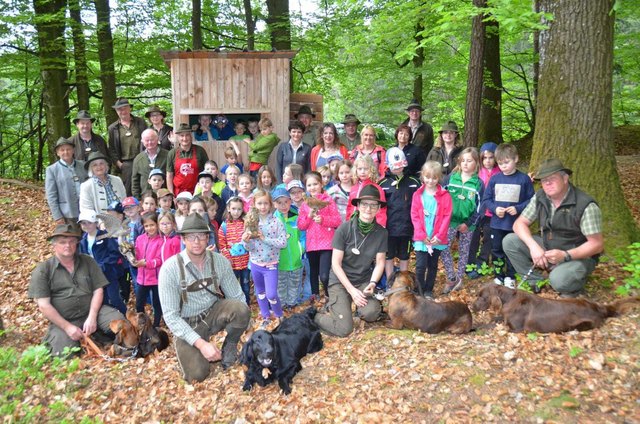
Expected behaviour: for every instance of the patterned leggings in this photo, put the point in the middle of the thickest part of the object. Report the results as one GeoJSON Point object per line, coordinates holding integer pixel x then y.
{"type": "Point", "coordinates": [464, 241]}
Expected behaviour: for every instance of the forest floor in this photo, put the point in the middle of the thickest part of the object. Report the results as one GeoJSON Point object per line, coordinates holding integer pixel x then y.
{"type": "Point", "coordinates": [375, 375]}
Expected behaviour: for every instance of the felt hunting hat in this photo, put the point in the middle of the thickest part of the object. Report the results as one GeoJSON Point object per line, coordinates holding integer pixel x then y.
{"type": "Point", "coordinates": [449, 126]}
{"type": "Point", "coordinates": [83, 114]}
{"type": "Point", "coordinates": [194, 223]}
{"type": "Point", "coordinates": [183, 128]}
{"type": "Point", "coordinates": [304, 110]}
{"type": "Point", "coordinates": [121, 102]}
{"type": "Point", "coordinates": [66, 230]}
{"type": "Point", "coordinates": [550, 167]}
{"type": "Point", "coordinates": [368, 192]}
{"type": "Point", "coordinates": [163, 192]}
{"type": "Point", "coordinates": [93, 156]}
{"type": "Point", "coordinates": [396, 158]}
{"type": "Point", "coordinates": [62, 141]}
{"type": "Point", "coordinates": [350, 118]}
{"type": "Point", "coordinates": [155, 109]}
{"type": "Point", "coordinates": [414, 105]}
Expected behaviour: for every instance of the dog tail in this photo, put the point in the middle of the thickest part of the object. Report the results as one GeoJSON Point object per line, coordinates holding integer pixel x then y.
{"type": "Point", "coordinates": [622, 306]}
{"type": "Point", "coordinates": [311, 312]}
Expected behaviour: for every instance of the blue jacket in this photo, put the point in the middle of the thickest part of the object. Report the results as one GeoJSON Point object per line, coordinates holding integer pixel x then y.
{"type": "Point", "coordinates": [504, 191]}
{"type": "Point", "coordinates": [106, 254]}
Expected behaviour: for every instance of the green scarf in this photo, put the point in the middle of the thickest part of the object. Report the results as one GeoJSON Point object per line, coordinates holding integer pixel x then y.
{"type": "Point", "coordinates": [364, 227]}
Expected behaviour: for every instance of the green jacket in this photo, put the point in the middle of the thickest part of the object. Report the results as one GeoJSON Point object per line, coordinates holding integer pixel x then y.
{"type": "Point", "coordinates": [290, 256]}
{"type": "Point", "coordinates": [465, 197]}
{"type": "Point", "coordinates": [261, 147]}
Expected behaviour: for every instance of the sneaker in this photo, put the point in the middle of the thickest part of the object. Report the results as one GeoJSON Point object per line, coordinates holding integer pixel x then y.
{"type": "Point", "coordinates": [498, 281]}
{"type": "Point", "coordinates": [509, 282]}
{"type": "Point", "coordinates": [473, 275]}
{"type": "Point", "coordinates": [571, 295]}
{"type": "Point", "coordinates": [428, 295]}
{"type": "Point", "coordinates": [450, 286]}
{"type": "Point", "coordinates": [458, 285]}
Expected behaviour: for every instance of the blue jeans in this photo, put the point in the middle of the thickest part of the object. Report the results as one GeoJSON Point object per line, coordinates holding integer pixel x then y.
{"type": "Point", "coordinates": [243, 277]}
{"type": "Point", "coordinates": [290, 286]}
{"type": "Point", "coordinates": [306, 283]}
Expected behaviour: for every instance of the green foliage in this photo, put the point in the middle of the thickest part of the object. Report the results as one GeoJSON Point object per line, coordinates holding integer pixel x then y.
{"type": "Point", "coordinates": [631, 258]}
{"type": "Point", "coordinates": [575, 351]}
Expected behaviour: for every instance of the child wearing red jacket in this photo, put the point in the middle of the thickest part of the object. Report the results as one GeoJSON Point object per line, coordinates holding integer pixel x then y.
{"type": "Point", "coordinates": [231, 246]}
{"type": "Point", "coordinates": [431, 208]}
{"type": "Point", "coordinates": [365, 172]}
{"type": "Point", "coordinates": [148, 262]}
{"type": "Point", "coordinates": [320, 225]}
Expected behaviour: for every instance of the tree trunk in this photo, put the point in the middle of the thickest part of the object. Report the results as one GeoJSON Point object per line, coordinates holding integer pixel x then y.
{"type": "Point", "coordinates": [474, 81]}
{"type": "Point", "coordinates": [279, 24]}
{"type": "Point", "coordinates": [196, 24]}
{"type": "Point", "coordinates": [251, 25]}
{"type": "Point", "coordinates": [573, 121]}
{"type": "Point", "coordinates": [418, 61]}
{"type": "Point", "coordinates": [50, 25]}
{"type": "Point", "coordinates": [79, 54]}
{"type": "Point", "coordinates": [490, 128]}
{"type": "Point", "coordinates": [105, 55]}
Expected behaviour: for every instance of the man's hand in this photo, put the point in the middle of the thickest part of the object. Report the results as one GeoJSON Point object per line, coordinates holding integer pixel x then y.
{"type": "Point", "coordinates": [90, 325]}
{"type": "Point", "coordinates": [210, 352]}
{"type": "Point", "coordinates": [538, 256]}
{"type": "Point", "coordinates": [555, 256]}
{"type": "Point", "coordinates": [73, 332]}
{"type": "Point", "coordinates": [358, 297]}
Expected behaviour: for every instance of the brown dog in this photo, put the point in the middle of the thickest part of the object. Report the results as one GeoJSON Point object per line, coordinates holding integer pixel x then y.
{"type": "Point", "coordinates": [527, 312]}
{"type": "Point", "coordinates": [126, 341]}
{"type": "Point", "coordinates": [411, 311]}
{"type": "Point", "coordinates": [149, 337]}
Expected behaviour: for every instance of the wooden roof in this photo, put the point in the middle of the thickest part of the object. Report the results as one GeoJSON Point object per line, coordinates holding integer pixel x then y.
{"type": "Point", "coordinates": [169, 55]}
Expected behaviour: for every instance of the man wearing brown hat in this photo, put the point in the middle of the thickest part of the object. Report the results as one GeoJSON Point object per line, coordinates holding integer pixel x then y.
{"type": "Point", "coordinates": [305, 115]}
{"type": "Point", "coordinates": [351, 136]}
{"type": "Point", "coordinates": [156, 116]}
{"type": "Point", "coordinates": [68, 289]}
{"type": "Point", "coordinates": [124, 140]}
{"type": "Point", "coordinates": [422, 132]}
{"type": "Point", "coordinates": [570, 239]}
{"type": "Point", "coordinates": [62, 183]}
{"type": "Point", "coordinates": [152, 157]}
{"type": "Point", "coordinates": [86, 141]}
{"type": "Point", "coordinates": [200, 297]}
{"type": "Point", "coordinates": [184, 162]}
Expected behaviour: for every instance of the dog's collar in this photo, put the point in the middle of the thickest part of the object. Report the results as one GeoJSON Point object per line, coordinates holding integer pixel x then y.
{"type": "Point", "coordinates": [383, 294]}
{"type": "Point", "coordinates": [132, 351]}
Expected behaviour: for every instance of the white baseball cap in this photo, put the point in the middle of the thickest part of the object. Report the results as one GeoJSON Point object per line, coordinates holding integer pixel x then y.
{"type": "Point", "coordinates": [89, 216]}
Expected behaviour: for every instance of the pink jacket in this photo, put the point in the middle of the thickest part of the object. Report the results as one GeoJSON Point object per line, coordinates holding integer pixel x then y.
{"type": "Point", "coordinates": [485, 175]}
{"type": "Point", "coordinates": [170, 246]}
{"type": "Point", "coordinates": [381, 216]}
{"type": "Point", "coordinates": [443, 215]}
{"type": "Point", "coordinates": [149, 249]}
{"type": "Point", "coordinates": [319, 236]}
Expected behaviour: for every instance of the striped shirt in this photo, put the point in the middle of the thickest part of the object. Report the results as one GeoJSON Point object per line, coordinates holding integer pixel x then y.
{"type": "Point", "coordinates": [198, 301]}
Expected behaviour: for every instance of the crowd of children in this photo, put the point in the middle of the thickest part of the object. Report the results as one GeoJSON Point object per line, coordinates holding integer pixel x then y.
{"type": "Point", "coordinates": [287, 252]}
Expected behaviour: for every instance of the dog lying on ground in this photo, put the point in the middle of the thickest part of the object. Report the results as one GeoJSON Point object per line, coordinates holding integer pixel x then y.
{"type": "Point", "coordinates": [276, 355]}
{"type": "Point", "coordinates": [528, 312]}
{"type": "Point", "coordinates": [411, 311]}
{"type": "Point", "coordinates": [136, 336]}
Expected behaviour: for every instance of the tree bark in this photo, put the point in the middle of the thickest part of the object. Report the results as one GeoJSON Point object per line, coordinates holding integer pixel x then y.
{"type": "Point", "coordinates": [490, 128]}
{"type": "Point", "coordinates": [79, 54]}
{"type": "Point", "coordinates": [474, 80]}
{"type": "Point", "coordinates": [279, 24]}
{"type": "Point", "coordinates": [50, 25]}
{"type": "Point", "coordinates": [105, 55]}
{"type": "Point", "coordinates": [251, 25]}
{"type": "Point", "coordinates": [196, 24]}
{"type": "Point", "coordinates": [418, 62]}
{"type": "Point", "coordinates": [573, 121]}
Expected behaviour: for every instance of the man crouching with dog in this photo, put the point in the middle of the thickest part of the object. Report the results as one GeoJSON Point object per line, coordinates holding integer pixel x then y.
{"type": "Point", "coordinates": [357, 264]}
{"type": "Point", "coordinates": [68, 290]}
{"type": "Point", "coordinates": [200, 296]}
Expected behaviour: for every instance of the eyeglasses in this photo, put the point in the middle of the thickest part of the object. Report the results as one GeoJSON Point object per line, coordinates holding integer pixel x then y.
{"type": "Point", "coordinates": [197, 237]}
{"type": "Point", "coordinates": [550, 179]}
{"type": "Point", "coordinates": [364, 205]}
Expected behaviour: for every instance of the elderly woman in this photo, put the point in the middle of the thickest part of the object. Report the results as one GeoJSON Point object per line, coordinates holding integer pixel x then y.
{"type": "Point", "coordinates": [447, 147]}
{"type": "Point", "coordinates": [293, 151]}
{"type": "Point", "coordinates": [101, 189]}
{"type": "Point", "coordinates": [62, 183]}
{"type": "Point", "coordinates": [357, 264]}
{"type": "Point", "coordinates": [369, 147]}
{"type": "Point", "coordinates": [327, 145]}
{"type": "Point", "coordinates": [416, 157]}
{"type": "Point", "coordinates": [156, 116]}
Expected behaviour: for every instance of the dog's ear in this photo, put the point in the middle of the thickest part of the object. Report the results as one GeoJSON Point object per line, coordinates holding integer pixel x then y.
{"type": "Point", "coordinates": [116, 325]}
{"type": "Point", "coordinates": [164, 340]}
{"type": "Point", "coordinates": [132, 316]}
{"type": "Point", "coordinates": [495, 304]}
{"type": "Point", "coordinates": [246, 354]}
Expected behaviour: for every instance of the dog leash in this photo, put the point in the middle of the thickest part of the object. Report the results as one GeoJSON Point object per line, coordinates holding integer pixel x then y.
{"type": "Point", "coordinates": [381, 295]}
{"type": "Point", "coordinates": [526, 277]}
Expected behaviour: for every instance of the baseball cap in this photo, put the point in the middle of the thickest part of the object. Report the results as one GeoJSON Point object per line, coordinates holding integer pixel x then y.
{"type": "Point", "coordinates": [295, 184]}
{"type": "Point", "coordinates": [130, 201]}
{"type": "Point", "coordinates": [279, 192]}
{"type": "Point", "coordinates": [156, 171]}
{"type": "Point", "coordinates": [115, 206]}
{"type": "Point", "coordinates": [163, 192]}
{"type": "Point", "coordinates": [89, 216]}
{"type": "Point", "coordinates": [184, 195]}
{"type": "Point", "coordinates": [396, 158]}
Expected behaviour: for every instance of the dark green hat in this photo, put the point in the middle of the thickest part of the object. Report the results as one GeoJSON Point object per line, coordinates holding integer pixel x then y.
{"type": "Point", "coordinates": [183, 128]}
{"type": "Point", "coordinates": [414, 105]}
{"type": "Point", "coordinates": [66, 230]}
{"type": "Point", "coordinates": [449, 126]}
{"type": "Point", "coordinates": [194, 223]}
{"type": "Point", "coordinates": [304, 110]}
{"type": "Point", "coordinates": [155, 109]}
{"type": "Point", "coordinates": [62, 141]}
{"type": "Point", "coordinates": [350, 118]}
{"type": "Point", "coordinates": [550, 167]}
{"type": "Point", "coordinates": [121, 102]}
{"type": "Point", "coordinates": [93, 156]}
{"type": "Point", "coordinates": [83, 114]}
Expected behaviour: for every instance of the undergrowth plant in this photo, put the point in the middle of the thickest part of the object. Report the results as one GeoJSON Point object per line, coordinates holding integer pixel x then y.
{"type": "Point", "coordinates": [630, 257]}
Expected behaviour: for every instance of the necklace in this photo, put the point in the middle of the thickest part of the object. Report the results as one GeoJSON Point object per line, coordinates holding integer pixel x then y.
{"type": "Point", "coordinates": [356, 248]}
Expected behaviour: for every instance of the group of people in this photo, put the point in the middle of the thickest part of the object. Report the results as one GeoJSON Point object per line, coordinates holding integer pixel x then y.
{"type": "Point", "coordinates": [336, 215]}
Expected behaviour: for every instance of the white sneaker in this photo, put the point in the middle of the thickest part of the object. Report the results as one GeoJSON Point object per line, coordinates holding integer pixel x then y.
{"type": "Point", "coordinates": [509, 282]}
{"type": "Point", "coordinates": [498, 281]}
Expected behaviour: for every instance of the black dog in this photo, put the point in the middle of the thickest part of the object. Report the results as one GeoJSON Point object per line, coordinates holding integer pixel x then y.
{"type": "Point", "coordinates": [277, 355]}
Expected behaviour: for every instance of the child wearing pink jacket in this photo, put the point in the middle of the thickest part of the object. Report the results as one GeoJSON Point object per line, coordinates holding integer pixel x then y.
{"type": "Point", "coordinates": [320, 225]}
{"type": "Point", "coordinates": [148, 262]}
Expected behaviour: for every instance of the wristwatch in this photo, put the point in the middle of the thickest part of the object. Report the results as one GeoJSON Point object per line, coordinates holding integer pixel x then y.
{"type": "Point", "coordinates": [567, 256]}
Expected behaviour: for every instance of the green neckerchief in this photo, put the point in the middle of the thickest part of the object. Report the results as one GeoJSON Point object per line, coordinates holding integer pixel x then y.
{"type": "Point", "coordinates": [364, 227]}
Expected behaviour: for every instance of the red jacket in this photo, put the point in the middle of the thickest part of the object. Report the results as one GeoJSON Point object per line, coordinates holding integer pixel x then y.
{"type": "Point", "coordinates": [443, 215]}
{"type": "Point", "coordinates": [230, 233]}
{"type": "Point", "coordinates": [319, 236]}
{"type": "Point", "coordinates": [149, 249]}
{"type": "Point", "coordinates": [381, 216]}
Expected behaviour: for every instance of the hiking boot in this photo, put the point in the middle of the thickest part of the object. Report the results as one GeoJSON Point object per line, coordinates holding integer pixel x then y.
{"type": "Point", "coordinates": [498, 281]}
{"type": "Point", "coordinates": [458, 285]}
{"type": "Point", "coordinates": [230, 348]}
{"type": "Point", "coordinates": [451, 284]}
{"type": "Point", "coordinates": [571, 295]}
{"type": "Point", "coordinates": [509, 282]}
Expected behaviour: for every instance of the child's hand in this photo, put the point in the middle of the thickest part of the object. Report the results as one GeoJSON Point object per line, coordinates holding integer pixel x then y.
{"type": "Point", "coordinates": [141, 263]}
{"type": "Point", "coordinates": [317, 219]}
{"type": "Point", "coordinates": [195, 127]}
{"type": "Point", "coordinates": [247, 140]}
{"type": "Point", "coordinates": [434, 240]}
{"type": "Point", "coordinates": [500, 211]}
{"type": "Point", "coordinates": [511, 210]}
{"type": "Point", "coordinates": [246, 236]}
{"type": "Point", "coordinates": [463, 228]}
